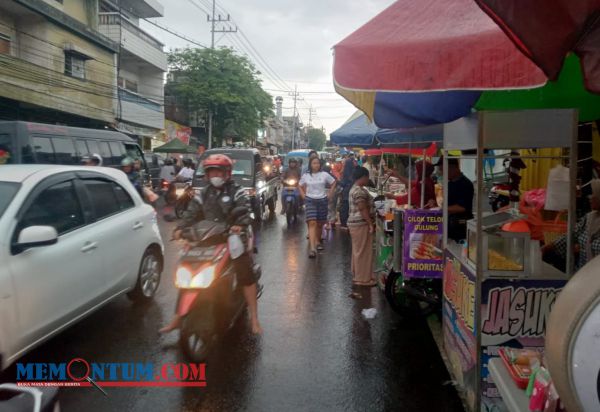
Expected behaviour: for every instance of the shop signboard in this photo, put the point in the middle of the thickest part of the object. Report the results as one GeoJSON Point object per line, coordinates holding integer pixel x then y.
{"type": "Point", "coordinates": [460, 342]}
{"type": "Point", "coordinates": [514, 313]}
{"type": "Point", "coordinates": [175, 130]}
{"type": "Point", "coordinates": [422, 248]}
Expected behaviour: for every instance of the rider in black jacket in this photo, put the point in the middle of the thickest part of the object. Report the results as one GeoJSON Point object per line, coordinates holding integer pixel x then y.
{"type": "Point", "coordinates": [215, 203]}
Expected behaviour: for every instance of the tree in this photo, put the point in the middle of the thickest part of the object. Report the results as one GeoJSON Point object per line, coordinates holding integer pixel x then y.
{"type": "Point", "coordinates": [316, 139]}
{"type": "Point", "coordinates": [224, 83]}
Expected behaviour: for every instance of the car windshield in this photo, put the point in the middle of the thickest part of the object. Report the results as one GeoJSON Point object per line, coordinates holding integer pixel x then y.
{"type": "Point", "coordinates": [300, 160]}
{"type": "Point", "coordinates": [7, 192]}
{"type": "Point", "coordinates": [241, 167]}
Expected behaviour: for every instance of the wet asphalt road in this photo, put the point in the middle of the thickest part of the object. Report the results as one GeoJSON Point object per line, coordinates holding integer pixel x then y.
{"type": "Point", "coordinates": [317, 352]}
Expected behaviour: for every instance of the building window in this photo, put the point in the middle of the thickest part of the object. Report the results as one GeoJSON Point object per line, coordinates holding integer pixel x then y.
{"type": "Point", "coordinates": [127, 84]}
{"type": "Point", "coordinates": [74, 65]}
{"type": "Point", "coordinates": [4, 44]}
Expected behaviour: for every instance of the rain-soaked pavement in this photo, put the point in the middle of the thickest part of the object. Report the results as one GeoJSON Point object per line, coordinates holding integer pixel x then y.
{"type": "Point", "coordinates": [317, 352]}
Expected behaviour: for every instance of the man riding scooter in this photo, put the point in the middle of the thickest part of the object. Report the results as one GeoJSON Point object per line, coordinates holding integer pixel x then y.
{"type": "Point", "coordinates": [215, 202]}
{"type": "Point", "coordinates": [291, 173]}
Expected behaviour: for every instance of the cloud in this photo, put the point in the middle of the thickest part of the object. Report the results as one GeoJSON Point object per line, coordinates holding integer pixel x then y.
{"type": "Point", "coordinates": [295, 38]}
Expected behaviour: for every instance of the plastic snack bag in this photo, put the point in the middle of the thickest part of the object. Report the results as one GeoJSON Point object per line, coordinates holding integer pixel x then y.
{"type": "Point", "coordinates": [236, 246]}
{"type": "Point", "coordinates": [540, 391]}
{"type": "Point", "coordinates": [557, 194]}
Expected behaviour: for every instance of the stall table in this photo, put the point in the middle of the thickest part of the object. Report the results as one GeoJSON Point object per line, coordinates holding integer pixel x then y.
{"type": "Point", "coordinates": [514, 397]}
{"type": "Point", "coordinates": [497, 291]}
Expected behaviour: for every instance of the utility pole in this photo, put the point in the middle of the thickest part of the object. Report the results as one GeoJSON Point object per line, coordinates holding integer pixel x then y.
{"type": "Point", "coordinates": [213, 20]}
{"type": "Point", "coordinates": [311, 111]}
{"type": "Point", "coordinates": [295, 95]}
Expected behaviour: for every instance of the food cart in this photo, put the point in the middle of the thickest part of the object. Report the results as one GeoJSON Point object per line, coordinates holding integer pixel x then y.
{"type": "Point", "coordinates": [409, 240]}
{"type": "Point", "coordinates": [497, 290]}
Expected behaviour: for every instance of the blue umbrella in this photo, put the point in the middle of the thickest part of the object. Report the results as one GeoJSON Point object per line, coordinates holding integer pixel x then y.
{"type": "Point", "coordinates": [357, 131]}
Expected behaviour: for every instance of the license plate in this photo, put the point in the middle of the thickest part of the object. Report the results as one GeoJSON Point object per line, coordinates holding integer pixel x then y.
{"type": "Point", "coordinates": [201, 253]}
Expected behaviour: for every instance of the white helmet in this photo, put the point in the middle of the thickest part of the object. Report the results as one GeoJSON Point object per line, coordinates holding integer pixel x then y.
{"type": "Point", "coordinates": [97, 158]}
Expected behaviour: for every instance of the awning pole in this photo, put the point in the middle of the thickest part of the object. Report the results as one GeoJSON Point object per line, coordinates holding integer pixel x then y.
{"type": "Point", "coordinates": [422, 181]}
{"type": "Point", "coordinates": [409, 173]}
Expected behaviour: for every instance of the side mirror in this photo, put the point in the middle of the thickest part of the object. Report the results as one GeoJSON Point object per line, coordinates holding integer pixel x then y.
{"type": "Point", "coordinates": [36, 236]}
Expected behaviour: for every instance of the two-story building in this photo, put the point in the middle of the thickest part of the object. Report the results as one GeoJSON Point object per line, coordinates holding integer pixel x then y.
{"type": "Point", "coordinates": [82, 63]}
{"type": "Point", "coordinates": [55, 66]}
{"type": "Point", "coordinates": [141, 65]}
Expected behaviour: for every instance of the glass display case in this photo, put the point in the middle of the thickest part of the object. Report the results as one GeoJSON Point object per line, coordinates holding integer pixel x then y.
{"type": "Point", "coordinates": [504, 253]}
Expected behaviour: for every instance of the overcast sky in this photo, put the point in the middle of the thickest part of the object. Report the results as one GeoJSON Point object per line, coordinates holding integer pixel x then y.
{"type": "Point", "coordinates": [294, 37]}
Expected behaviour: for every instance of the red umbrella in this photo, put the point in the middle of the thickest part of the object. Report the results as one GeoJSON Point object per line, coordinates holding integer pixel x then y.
{"type": "Point", "coordinates": [547, 31]}
{"type": "Point", "coordinates": [429, 45]}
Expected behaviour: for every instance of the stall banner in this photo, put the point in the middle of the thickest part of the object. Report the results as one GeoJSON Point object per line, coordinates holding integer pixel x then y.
{"type": "Point", "coordinates": [422, 249]}
{"type": "Point", "coordinates": [460, 342]}
{"type": "Point", "coordinates": [514, 312]}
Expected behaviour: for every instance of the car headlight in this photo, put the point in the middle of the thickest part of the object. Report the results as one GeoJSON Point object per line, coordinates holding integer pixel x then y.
{"type": "Point", "coordinates": [204, 278]}
{"type": "Point", "coordinates": [251, 191]}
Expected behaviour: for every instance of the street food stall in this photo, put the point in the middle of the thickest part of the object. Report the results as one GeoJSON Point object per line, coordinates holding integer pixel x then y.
{"type": "Point", "coordinates": [498, 292]}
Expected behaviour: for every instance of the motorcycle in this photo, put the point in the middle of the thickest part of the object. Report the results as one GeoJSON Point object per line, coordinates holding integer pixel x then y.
{"type": "Point", "coordinates": [168, 190]}
{"type": "Point", "coordinates": [413, 296]}
{"type": "Point", "coordinates": [499, 196]}
{"type": "Point", "coordinates": [211, 299]}
{"type": "Point", "coordinates": [500, 193]}
{"type": "Point", "coordinates": [183, 196]}
{"type": "Point", "coordinates": [291, 197]}
{"type": "Point", "coordinates": [19, 398]}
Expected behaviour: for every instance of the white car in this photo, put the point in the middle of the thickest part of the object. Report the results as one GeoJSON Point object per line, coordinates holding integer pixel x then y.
{"type": "Point", "coordinates": [71, 240]}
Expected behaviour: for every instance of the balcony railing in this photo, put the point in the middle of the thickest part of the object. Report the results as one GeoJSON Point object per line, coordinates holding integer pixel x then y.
{"type": "Point", "coordinates": [127, 96]}
{"type": "Point", "coordinates": [117, 19]}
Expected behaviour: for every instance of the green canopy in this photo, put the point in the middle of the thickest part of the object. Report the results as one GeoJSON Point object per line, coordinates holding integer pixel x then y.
{"type": "Point", "coordinates": [568, 91]}
{"type": "Point", "coordinates": [174, 146]}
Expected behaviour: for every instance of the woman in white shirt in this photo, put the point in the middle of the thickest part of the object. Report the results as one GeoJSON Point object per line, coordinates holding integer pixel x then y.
{"type": "Point", "coordinates": [315, 187]}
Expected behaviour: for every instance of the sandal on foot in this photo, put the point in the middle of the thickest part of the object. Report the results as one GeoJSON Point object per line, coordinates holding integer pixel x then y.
{"type": "Point", "coordinates": [312, 254]}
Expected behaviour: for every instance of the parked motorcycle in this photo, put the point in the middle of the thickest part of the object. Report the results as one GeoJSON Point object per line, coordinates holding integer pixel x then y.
{"type": "Point", "coordinates": [502, 193]}
{"type": "Point", "coordinates": [499, 196]}
{"type": "Point", "coordinates": [211, 299]}
{"type": "Point", "coordinates": [25, 399]}
{"type": "Point", "coordinates": [413, 296]}
{"type": "Point", "coordinates": [291, 200]}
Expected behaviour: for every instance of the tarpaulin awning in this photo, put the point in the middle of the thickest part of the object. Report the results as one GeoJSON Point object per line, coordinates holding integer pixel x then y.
{"type": "Point", "coordinates": [429, 61]}
{"type": "Point", "coordinates": [174, 146]}
{"type": "Point", "coordinates": [359, 131]}
{"type": "Point", "coordinates": [546, 32]}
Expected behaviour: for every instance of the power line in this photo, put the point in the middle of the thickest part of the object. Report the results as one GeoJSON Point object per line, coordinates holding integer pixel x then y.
{"type": "Point", "coordinates": [199, 7]}
{"type": "Point", "coordinates": [174, 33]}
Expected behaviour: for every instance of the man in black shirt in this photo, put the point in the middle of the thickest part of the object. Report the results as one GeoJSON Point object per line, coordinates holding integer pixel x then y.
{"type": "Point", "coordinates": [460, 200]}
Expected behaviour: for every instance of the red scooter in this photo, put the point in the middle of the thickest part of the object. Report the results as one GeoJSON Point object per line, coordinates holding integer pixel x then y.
{"type": "Point", "coordinates": [211, 299]}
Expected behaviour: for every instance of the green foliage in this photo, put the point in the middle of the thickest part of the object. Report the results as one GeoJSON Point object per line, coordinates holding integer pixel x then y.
{"type": "Point", "coordinates": [316, 139]}
{"type": "Point", "coordinates": [223, 82]}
